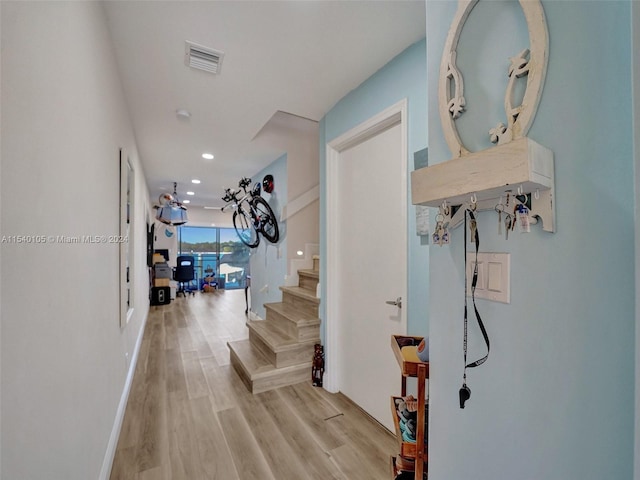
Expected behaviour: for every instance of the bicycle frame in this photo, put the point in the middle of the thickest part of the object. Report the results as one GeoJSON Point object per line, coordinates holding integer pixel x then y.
{"type": "Point", "coordinates": [254, 209]}
{"type": "Point", "coordinates": [246, 198]}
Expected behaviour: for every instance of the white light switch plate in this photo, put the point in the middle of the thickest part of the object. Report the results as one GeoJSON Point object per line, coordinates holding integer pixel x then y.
{"type": "Point", "coordinates": [493, 276]}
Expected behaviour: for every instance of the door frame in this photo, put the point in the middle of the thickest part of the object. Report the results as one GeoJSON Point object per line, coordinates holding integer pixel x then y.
{"type": "Point", "coordinates": [391, 116]}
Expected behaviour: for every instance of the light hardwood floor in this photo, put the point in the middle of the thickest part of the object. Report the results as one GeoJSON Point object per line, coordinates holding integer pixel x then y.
{"type": "Point", "coordinates": [190, 417]}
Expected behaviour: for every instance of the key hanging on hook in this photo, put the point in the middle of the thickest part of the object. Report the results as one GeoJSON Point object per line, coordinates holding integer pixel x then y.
{"type": "Point", "coordinates": [473, 226]}
{"type": "Point", "coordinates": [437, 230]}
{"type": "Point", "coordinates": [441, 233]}
{"type": "Point", "coordinates": [444, 209]}
{"type": "Point", "coordinates": [523, 219]}
{"type": "Point", "coordinates": [499, 208]}
{"type": "Point", "coordinates": [507, 225]}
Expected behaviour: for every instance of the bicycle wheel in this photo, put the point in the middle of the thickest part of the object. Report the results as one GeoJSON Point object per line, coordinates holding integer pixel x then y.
{"type": "Point", "coordinates": [268, 221]}
{"type": "Point", "coordinates": [245, 229]}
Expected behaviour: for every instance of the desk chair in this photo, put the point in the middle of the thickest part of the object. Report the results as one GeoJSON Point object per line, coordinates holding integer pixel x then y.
{"type": "Point", "coordinates": [184, 274]}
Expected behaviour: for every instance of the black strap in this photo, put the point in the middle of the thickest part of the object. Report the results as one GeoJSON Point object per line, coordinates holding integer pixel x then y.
{"type": "Point", "coordinates": [474, 282]}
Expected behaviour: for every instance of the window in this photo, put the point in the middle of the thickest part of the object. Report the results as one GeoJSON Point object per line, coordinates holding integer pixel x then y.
{"type": "Point", "coordinates": [217, 253]}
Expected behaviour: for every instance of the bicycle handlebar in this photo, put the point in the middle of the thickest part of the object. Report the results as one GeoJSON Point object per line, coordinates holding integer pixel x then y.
{"type": "Point", "coordinates": [231, 196]}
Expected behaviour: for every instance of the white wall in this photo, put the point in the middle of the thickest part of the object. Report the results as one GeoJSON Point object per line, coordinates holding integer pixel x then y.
{"type": "Point", "coordinates": [296, 137]}
{"type": "Point", "coordinates": [303, 173]}
{"type": "Point", "coordinates": [166, 238]}
{"type": "Point", "coordinates": [199, 217]}
{"type": "Point", "coordinates": [64, 357]}
{"type": "Point", "coordinates": [295, 173]}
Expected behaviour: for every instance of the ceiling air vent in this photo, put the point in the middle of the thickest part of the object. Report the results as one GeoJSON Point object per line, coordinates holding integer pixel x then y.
{"type": "Point", "coordinates": [203, 58]}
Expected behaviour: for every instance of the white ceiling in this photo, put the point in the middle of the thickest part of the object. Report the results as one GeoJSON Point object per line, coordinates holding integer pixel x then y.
{"type": "Point", "coordinates": [298, 57]}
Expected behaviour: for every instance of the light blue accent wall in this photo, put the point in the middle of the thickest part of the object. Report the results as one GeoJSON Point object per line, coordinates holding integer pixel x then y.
{"type": "Point", "coordinates": [555, 400]}
{"type": "Point", "coordinates": [269, 261]}
{"type": "Point", "coordinates": [403, 77]}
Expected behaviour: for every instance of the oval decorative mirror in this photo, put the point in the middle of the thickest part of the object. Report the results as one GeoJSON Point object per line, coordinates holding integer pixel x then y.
{"type": "Point", "coordinates": [530, 62]}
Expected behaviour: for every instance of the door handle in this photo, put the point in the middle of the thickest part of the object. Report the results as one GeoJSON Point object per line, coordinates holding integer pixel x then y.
{"type": "Point", "coordinates": [397, 302]}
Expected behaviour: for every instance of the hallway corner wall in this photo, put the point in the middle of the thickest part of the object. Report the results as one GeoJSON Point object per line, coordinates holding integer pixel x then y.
{"type": "Point", "coordinates": [268, 262]}
{"type": "Point", "coordinates": [64, 357]}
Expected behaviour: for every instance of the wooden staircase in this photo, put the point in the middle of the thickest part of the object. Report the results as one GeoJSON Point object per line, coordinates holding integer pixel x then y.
{"type": "Point", "coordinates": [279, 351]}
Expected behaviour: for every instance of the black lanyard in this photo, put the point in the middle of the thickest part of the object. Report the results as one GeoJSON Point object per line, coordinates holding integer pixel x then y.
{"type": "Point", "coordinates": [474, 282]}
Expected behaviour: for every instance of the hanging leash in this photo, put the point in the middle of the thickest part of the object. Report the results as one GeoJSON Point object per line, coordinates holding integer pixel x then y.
{"type": "Point", "coordinates": [465, 391]}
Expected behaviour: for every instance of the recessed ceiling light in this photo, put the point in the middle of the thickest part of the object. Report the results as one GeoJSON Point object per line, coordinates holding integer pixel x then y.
{"type": "Point", "coordinates": [184, 113]}
{"type": "Point", "coordinates": [300, 252]}
{"type": "Point", "coordinates": [186, 201]}
{"type": "Point", "coordinates": [213, 224]}
{"type": "Point", "coordinates": [195, 180]}
{"type": "Point", "coordinates": [190, 193]}
{"type": "Point", "coordinates": [207, 156]}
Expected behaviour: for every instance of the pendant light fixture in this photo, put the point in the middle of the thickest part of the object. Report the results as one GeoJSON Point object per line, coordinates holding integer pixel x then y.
{"type": "Point", "coordinates": [171, 211]}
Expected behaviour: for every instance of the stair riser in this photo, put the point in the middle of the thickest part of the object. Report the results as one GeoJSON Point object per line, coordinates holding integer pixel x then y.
{"type": "Point", "coordinates": [283, 380]}
{"type": "Point", "coordinates": [258, 344]}
{"type": "Point", "coordinates": [308, 283]}
{"type": "Point", "coordinates": [311, 332]}
{"type": "Point", "coordinates": [237, 366]}
{"type": "Point", "coordinates": [300, 303]}
{"type": "Point", "coordinates": [300, 332]}
{"type": "Point", "coordinates": [273, 381]}
{"type": "Point", "coordinates": [300, 354]}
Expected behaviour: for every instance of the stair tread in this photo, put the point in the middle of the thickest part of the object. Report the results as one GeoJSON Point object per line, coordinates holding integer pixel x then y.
{"type": "Point", "coordinates": [309, 273]}
{"type": "Point", "coordinates": [301, 293]}
{"type": "Point", "coordinates": [256, 365]}
{"type": "Point", "coordinates": [277, 340]}
{"type": "Point", "coordinates": [252, 360]}
{"type": "Point", "coordinates": [300, 317]}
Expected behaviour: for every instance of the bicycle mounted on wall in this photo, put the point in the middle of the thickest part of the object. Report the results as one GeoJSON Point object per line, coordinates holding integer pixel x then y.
{"type": "Point", "coordinates": [253, 215]}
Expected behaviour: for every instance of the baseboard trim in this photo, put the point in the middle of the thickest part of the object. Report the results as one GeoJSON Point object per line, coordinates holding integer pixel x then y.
{"type": "Point", "coordinates": [110, 453]}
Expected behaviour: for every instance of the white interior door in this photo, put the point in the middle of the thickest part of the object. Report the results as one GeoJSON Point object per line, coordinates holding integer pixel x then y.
{"type": "Point", "coordinates": [369, 262]}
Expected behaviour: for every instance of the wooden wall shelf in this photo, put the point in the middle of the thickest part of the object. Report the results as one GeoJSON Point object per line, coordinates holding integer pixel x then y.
{"type": "Point", "coordinates": [520, 165]}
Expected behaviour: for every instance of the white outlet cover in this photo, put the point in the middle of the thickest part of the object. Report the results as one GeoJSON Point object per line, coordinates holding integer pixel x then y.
{"type": "Point", "coordinates": [494, 281]}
